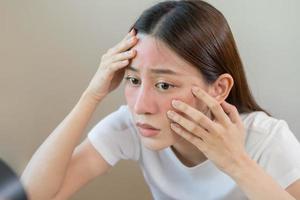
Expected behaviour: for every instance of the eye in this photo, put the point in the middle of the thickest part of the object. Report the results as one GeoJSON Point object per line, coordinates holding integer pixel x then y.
{"type": "Point", "coordinates": [132, 80]}
{"type": "Point", "coordinates": [164, 86]}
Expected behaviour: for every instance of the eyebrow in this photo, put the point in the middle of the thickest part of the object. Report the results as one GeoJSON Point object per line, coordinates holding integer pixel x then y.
{"type": "Point", "coordinates": [156, 71]}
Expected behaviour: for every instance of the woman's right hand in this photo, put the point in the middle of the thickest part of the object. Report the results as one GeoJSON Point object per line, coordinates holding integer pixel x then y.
{"type": "Point", "coordinates": [111, 69]}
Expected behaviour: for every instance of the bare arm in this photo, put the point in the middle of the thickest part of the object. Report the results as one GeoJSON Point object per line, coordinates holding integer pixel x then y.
{"type": "Point", "coordinates": [85, 165]}
{"type": "Point", "coordinates": [294, 189]}
{"type": "Point", "coordinates": [257, 184]}
{"type": "Point", "coordinates": [54, 165]}
{"type": "Point", "coordinates": [51, 160]}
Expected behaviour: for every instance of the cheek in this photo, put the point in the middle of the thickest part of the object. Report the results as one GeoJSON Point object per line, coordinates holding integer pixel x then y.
{"type": "Point", "coordinates": [187, 97]}
{"type": "Point", "coordinates": [165, 102]}
{"type": "Point", "coordinates": [162, 101]}
{"type": "Point", "coordinates": [130, 96]}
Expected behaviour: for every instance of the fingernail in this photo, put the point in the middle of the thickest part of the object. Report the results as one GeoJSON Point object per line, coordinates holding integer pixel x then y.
{"type": "Point", "coordinates": [175, 103]}
{"type": "Point", "coordinates": [195, 89]}
{"type": "Point", "coordinates": [132, 31]}
{"type": "Point", "coordinates": [174, 126]}
{"type": "Point", "coordinates": [170, 113]}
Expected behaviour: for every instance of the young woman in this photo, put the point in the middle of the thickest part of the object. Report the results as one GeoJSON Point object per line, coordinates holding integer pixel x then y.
{"type": "Point", "coordinates": [190, 120]}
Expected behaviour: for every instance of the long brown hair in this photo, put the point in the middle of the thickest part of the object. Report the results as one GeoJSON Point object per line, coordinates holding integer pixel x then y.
{"type": "Point", "coordinates": [200, 34]}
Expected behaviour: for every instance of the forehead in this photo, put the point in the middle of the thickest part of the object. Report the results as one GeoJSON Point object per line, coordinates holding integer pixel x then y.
{"type": "Point", "coordinates": [154, 54]}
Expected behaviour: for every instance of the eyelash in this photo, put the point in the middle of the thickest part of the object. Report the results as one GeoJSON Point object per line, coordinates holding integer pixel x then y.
{"type": "Point", "coordinates": [129, 79]}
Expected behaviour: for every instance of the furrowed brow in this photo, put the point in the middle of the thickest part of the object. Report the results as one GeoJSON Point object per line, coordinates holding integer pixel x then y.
{"type": "Point", "coordinates": [156, 71]}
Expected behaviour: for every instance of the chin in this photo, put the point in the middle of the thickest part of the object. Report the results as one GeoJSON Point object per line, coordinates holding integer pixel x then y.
{"type": "Point", "coordinates": [164, 140]}
{"type": "Point", "coordinates": [155, 146]}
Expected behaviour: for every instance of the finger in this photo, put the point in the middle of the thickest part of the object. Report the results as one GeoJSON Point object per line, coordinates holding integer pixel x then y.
{"type": "Point", "coordinates": [118, 65]}
{"type": "Point", "coordinates": [126, 38]}
{"type": "Point", "coordinates": [124, 55]}
{"type": "Point", "coordinates": [195, 114]}
{"type": "Point", "coordinates": [198, 142]}
{"type": "Point", "coordinates": [212, 104]}
{"type": "Point", "coordinates": [132, 32]}
{"type": "Point", "coordinates": [124, 45]}
{"type": "Point", "coordinates": [187, 124]}
{"type": "Point", "coordinates": [231, 111]}
{"type": "Point", "coordinates": [129, 34]}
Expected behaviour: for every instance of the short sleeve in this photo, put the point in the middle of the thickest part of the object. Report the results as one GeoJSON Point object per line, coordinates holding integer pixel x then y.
{"type": "Point", "coordinates": [115, 138]}
{"type": "Point", "coordinates": [281, 157]}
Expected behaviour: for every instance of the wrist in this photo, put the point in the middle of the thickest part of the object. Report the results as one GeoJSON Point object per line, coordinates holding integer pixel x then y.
{"type": "Point", "coordinates": [243, 167]}
{"type": "Point", "coordinates": [89, 95]}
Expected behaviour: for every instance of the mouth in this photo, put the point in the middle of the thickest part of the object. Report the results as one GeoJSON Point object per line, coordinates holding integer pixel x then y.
{"type": "Point", "coordinates": [144, 125]}
{"type": "Point", "coordinates": [147, 130]}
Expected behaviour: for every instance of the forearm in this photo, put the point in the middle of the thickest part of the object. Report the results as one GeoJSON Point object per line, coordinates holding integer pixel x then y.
{"type": "Point", "coordinates": [47, 168]}
{"type": "Point", "coordinates": [256, 183]}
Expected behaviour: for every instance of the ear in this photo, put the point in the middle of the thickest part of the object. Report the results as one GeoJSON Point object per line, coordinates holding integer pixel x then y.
{"type": "Point", "coordinates": [221, 87]}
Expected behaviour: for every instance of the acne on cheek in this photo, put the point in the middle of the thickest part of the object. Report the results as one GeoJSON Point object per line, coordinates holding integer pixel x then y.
{"type": "Point", "coordinates": [165, 103]}
{"type": "Point", "coordinates": [129, 95]}
{"type": "Point", "coordinates": [187, 98]}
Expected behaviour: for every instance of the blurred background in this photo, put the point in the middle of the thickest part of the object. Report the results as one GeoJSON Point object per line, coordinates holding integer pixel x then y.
{"type": "Point", "coordinates": [49, 51]}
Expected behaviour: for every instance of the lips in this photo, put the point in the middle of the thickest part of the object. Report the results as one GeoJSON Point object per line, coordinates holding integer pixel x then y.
{"type": "Point", "coordinates": [145, 126]}
{"type": "Point", "coordinates": [147, 130]}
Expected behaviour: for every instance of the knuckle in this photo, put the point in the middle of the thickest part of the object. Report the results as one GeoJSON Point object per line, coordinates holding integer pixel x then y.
{"type": "Point", "coordinates": [188, 137]}
{"type": "Point", "coordinates": [125, 62]}
{"type": "Point", "coordinates": [180, 131]}
{"type": "Point", "coordinates": [117, 57]}
{"type": "Point", "coordinates": [127, 53]}
{"type": "Point", "coordinates": [199, 118]}
{"type": "Point", "coordinates": [206, 125]}
{"type": "Point", "coordinates": [215, 106]}
{"type": "Point", "coordinates": [120, 47]}
{"type": "Point", "coordinates": [178, 119]}
{"type": "Point", "coordinates": [234, 108]}
{"type": "Point", "coordinates": [193, 139]}
{"type": "Point", "coordinates": [104, 56]}
{"type": "Point", "coordinates": [219, 136]}
{"type": "Point", "coordinates": [201, 135]}
{"type": "Point", "coordinates": [183, 106]}
{"type": "Point", "coordinates": [194, 128]}
{"type": "Point", "coordinates": [110, 50]}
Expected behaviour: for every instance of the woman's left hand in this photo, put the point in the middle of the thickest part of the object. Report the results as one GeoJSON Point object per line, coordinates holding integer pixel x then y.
{"type": "Point", "coordinates": [221, 140]}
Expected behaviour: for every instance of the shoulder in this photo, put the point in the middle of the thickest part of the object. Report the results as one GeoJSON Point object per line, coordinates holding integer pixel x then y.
{"type": "Point", "coordinates": [260, 122]}
{"type": "Point", "coordinates": [118, 124]}
{"type": "Point", "coordinates": [115, 137]}
{"type": "Point", "coordinates": [271, 143]}
{"type": "Point", "coordinates": [120, 119]}
{"type": "Point", "coordinates": [263, 131]}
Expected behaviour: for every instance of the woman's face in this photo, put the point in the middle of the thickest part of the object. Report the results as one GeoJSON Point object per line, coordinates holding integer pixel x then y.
{"type": "Point", "coordinates": [154, 78]}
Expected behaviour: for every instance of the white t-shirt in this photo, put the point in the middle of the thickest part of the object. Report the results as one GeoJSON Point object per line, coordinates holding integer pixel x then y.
{"type": "Point", "coordinates": [269, 142]}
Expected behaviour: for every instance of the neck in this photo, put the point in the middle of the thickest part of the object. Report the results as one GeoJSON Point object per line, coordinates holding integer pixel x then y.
{"type": "Point", "coordinates": [188, 154]}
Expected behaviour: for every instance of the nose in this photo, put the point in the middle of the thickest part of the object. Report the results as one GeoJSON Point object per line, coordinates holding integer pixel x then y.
{"type": "Point", "coordinates": [145, 102]}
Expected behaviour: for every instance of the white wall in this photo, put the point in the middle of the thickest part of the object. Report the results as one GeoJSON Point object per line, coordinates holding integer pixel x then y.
{"type": "Point", "coordinates": [267, 35]}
